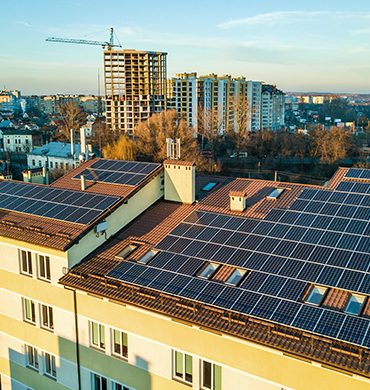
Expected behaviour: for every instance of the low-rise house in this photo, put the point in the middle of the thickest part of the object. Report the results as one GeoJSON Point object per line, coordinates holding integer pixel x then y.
{"type": "Point", "coordinates": [17, 140]}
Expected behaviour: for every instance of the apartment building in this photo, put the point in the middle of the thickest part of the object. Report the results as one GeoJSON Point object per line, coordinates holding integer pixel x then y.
{"type": "Point", "coordinates": [114, 277]}
{"type": "Point", "coordinates": [182, 96]}
{"type": "Point", "coordinates": [273, 107]}
{"type": "Point", "coordinates": [135, 87]}
{"type": "Point", "coordinates": [10, 101]}
{"type": "Point", "coordinates": [217, 93]}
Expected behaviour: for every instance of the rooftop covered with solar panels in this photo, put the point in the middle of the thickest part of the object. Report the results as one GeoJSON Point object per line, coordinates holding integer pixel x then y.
{"type": "Point", "coordinates": [57, 215]}
{"type": "Point", "coordinates": [290, 271]}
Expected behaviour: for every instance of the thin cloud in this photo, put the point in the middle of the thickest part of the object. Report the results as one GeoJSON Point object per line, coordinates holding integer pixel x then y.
{"type": "Point", "coordinates": [360, 32]}
{"type": "Point", "coordinates": [285, 17]}
{"type": "Point", "coordinates": [24, 23]}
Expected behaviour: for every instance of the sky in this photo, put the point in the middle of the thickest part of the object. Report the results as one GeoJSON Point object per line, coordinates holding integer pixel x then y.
{"type": "Point", "coordinates": [310, 46]}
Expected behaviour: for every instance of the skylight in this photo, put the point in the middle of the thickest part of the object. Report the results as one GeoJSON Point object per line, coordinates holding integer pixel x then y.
{"type": "Point", "coordinates": [354, 304]}
{"type": "Point", "coordinates": [208, 270]}
{"type": "Point", "coordinates": [235, 277]}
{"type": "Point", "coordinates": [210, 186]}
{"type": "Point", "coordinates": [275, 193]}
{"type": "Point", "coordinates": [126, 251]}
{"type": "Point", "coordinates": [316, 294]}
{"type": "Point", "coordinates": [147, 257]}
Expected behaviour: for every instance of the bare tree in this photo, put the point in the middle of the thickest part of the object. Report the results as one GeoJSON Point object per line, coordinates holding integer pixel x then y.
{"type": "Point", "coordinates": [151, 135]}
{"type": "Point", "coordinates": [241, 114]}
{"type": "Point", "coordinates": [122, 149]}
{"type": "Point", "coordinates": [73, 117]}
{"type": "Point", "coordinates": [335, 145]}
{"type": "Point", "coordinates": [211, 127]}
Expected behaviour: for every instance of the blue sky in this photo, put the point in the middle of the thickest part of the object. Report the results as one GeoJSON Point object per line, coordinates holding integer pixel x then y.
{"type": "Point", "coordinates": [321, 46]}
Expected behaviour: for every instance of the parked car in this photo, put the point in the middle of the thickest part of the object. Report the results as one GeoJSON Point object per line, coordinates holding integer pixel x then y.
{"type": "Point", "coordinates": [241, 154]}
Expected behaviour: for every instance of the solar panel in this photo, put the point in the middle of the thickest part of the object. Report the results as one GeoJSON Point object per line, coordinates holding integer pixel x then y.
{"type": "Point", "coordinates": [272, 285]}
{"type": "Point", "coordinates": [161, 259]}
{"type": "Point", "coordinates": [193, 248]}
{"type": "Point", "coordinates": [295, 233]}
{"type": "Point", "coordinates": [307, 317]}
{"type": "Point", "coordinates": [221, 236]}
{"type": "Point", "coordinates": [353, 173]}
{"type": "Point", "coordinates": [330, 276]}
{"type": "Point", "coordinates": [227, 297]}
{"type": "Point", "coordinates": [207, 233]}
{"type": "Point", "coordinates": [284, 248]}
{"type": "Point", "coordinates": [354, 330]}
{"type": "Point", "coordinates": [338, 224]}
{"type": "Point", "coordinates": [265, 307]}
{"type": "Point", "coordinates": [274, 215]}
{"type": "Point", "coordinates": [292, 289]}
{"type": "Point", "coordinates": [310, 272]}
{"type": "Point", "coordinates": [329, 323]}
{"type": "Point", "coordinates": [210, 292]}
{"type": "Point", "coordinates": [208, 251]}
{"type": "Point", "coordinates": [348, 241]}
{"type": "Point", "coordinates": [251, 242]}
{"type": "Point", "coordinates": [322, 195]}
{"type": "Point", "coordinates": [273, 264]}
{"type": "Point", "coordinates": [307, 193]}
{"type": "Point", "coordinates": [194, 288]}
{"type": "Point", "coordinates": [174, 263]}
{"type": "Point", "coordinates": [55, 203]}
{"type": "Point", "coordinates": [239, 258]}
{"type": "Point", "coordinates": [220, 221]}
{"type": "Point", "coordinates": [285, 312]}
{"type": "Point", "coordinates": [291, 268]}
{"type": "Point", "coordinates": [279, 231]}
{"type": "Point", "coordinates": [236, 239]}
{"type": "Point", "coordinates": [147, 276]}
{"type": "Point", "coordinates": [162, 280]}
{"type": "Point", "coordinates": [350, 280]}
{"type": "Point", "coordinates": [191, 266]}
{"type": "Point", "coordinates": [118, 172]}
{"type": "Point", "coordinates": [339, 258]}
{"type": "Point", "coordinates": [359, 262]}
{"type": "Point", "coordinates": [246, 302]}
{"type": "Point", "coordinates": [254, 281]}
{"type": "Point", "coordinates": [256, 261]}
{"type": "Point", "coordinates": [177, 284]}
{"type": "Point", "coordinates": [305, 220]}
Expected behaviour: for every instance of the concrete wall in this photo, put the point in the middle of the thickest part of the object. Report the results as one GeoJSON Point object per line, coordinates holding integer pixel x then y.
{"type": "Point", "coordinates": [179, 183]}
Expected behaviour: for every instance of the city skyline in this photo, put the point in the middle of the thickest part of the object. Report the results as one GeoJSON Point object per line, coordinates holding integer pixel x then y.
{"type": "Point", "coordinates": [310, 47]}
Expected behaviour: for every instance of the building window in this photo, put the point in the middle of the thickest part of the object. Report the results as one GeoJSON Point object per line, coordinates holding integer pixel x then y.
{"type": "Point", "coordinates": [29, 313]}
{"type": "Point", "coordinates": [211, 376]}
{"type": "Point", "coordinates": [25, 262]}
{"type": "Point", "coordinates": [44, 267]}
{"type": "Point", "coordinates": [32, 357]}
{"type": "Point", "coordinates": [56, 165]}
{"type": "Point", "coordinates": [316, 294]}
{"type": "Point", "coordinates": [118, 386]}
{"type": "Point", "coordinates": [148, 256]}
{"type": "Point", "coordinates": [235, 277]}
{"type": "Point", "coordinates": [33, 162]}
{"type": "Point", "coordinates": [47, 317]}
{"type": "Point", "coordinates": [183, 367]}
{"type": "Point", "coordinates": [39, 163]}
{"type": "Point", "coordinates": [50, 367]}
{"type": "Point", "coordinates": [51, 164]}
{"type": "Point", "coordinates": [120, 345]}
{"type": "Point", "coordinates": [208, 270]}
{"type": "Point", "coordinates": [354, 304]}
{"type": "Point", "coordinates": [97, 335]}
{"type": "Point", "coordinates": [100, 383]}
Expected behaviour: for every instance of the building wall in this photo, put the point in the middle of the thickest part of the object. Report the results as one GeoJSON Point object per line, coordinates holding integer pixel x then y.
{"type": "Point", "coordinates": [18, 143]}
{"type": "Point", "coordinates": [135, 87]}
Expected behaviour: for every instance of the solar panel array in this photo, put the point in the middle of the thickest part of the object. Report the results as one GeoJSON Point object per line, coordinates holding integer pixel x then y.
{"type": "Point", "coordinates": [64, 205]}
{"type": "Point", "coordinates": [361, 174]}
{"type": "Point", "coordinates": [126, 173]}
{"type": "Point", "coordinates": [323, 238]}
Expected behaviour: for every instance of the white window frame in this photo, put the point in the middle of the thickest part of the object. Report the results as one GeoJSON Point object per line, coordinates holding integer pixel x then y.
{"type": "Point", "coordinates": [355, 298]}
{"type": "Point", "coordinates": [32, 357]}
{"type": "Point", "coordinates": [320, 291]}
{"type": "Point", "coordinates": [123, 349]}
{"type": "Point", "coordinates": [25, 264]}
{"type": "Point", "coordinates": [119, 386]}
{"type": "Point", "coordinates": [43, 264]}
{"type": "Point", "coordinates": [103, 382]}
{"type": "Point", "coordinates": [183, 360]}
{"type": "Point", "coordinates": [214, 368]}
{"type": "Point", "coordinates": [29, 306]}
{"type": "Point", "coordinates": [47, 317]}
{"type": "Point", "coordinates": [100, 344]}
{"type": "Point", "coordinates": [50, 368]}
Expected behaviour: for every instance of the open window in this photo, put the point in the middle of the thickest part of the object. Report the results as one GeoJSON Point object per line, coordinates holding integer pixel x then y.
{"type": "Point", "coordinates": [208, 270]}
{"type": "Point", "coordinates": [126, 251]}
{"type": "Point", "coordinates": [148, 256]}
{"type": "Point", "coordinates": [354, 304]}
{"type": "Point", "coordinates": [236, 276]}
{"type": "Point", "coordinates": [316, 295]}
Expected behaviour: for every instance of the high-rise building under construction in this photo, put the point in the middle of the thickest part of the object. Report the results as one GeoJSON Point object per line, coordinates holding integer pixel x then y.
{"type": "Point", "coordinates": [135, 87]}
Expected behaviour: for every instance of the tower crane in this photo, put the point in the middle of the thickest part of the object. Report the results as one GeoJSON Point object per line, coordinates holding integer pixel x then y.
{"type": "Point", "coordinates": [104, 45]}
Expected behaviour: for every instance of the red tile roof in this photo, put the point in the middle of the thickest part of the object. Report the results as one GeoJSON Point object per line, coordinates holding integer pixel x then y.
{"type": "Point", "coordinates": [175, 162]}
{"type": "Point", "coordinates": [336, 179]}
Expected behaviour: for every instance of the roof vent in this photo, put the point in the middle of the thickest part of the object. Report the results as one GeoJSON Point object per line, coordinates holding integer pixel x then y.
{"type": "Point", "coordinates": [83, 183]}
{"type": "Point", "coordinates": [238, 200]}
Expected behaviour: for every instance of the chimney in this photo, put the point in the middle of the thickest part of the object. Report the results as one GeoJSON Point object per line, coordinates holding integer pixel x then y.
{"type": "Point", "coordinates": [72, 142]}
{"type": "Point", "coordinates": [45, 175]}
{"type": "Point", "coordinates": [238, 200]}
{"type": "Point", "coordinates": [83, 141]}
{"type": "Point", "coordinates": [83, 183]}
{"type": "Point", "coordinates": [179, 181]}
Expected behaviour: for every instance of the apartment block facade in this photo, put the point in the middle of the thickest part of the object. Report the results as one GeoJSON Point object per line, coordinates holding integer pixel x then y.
{"type": "Point", "coordinates": [273, 107]}
{"type": "Point", "coordinates": [135, 87]}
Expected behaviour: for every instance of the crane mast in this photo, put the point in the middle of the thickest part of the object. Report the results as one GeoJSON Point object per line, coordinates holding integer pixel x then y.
{"type": "Point", "coordinates": [104, 45]}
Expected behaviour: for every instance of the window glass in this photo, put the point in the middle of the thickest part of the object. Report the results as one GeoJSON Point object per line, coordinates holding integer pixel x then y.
{"type": "Point", "coordinates": [207, 375]}
{"type": "Point", "coordinates": [50, 367]}
{"type": "Point", "coordinates": [179, 364]}
{"type": "Point", "coordinates": [316, 295]}
{"type": "Point", "coordinates": [97, 335]}
{"type": "Point", "coordinates": [126, 251]}
{"type": "Point", "coordinates": [26, 262]}
{"type": "Point", "coordinates": [209, 186]}
{"type": "Point", "coordinates": [208, 270]}
{"type": "Point", "coordinates": [183, 366]}
{"type": "Point", "coordinates": [120, 345]}
{"type": "Point", "coordinates": [44, 267]}
{"type": "Point", "coordinates": [29, 311]}
{"type": "Point", "coordinates": [32, 357]}
{"type": "Point", "coordinates": [354, 304]}
{"type": "Point", "coordinates": [147, 257]}
{"type": "Point", "coordinates": [217, 377]}
{"type": "Point", "coordinates": [235, 277]}
{"type": "Point", "coordinates": [47, 317]}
